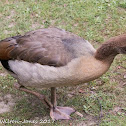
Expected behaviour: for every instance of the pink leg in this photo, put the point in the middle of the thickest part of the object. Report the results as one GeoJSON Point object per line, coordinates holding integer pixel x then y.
{"type": "Point", "coordinates": [41, 97]}
{"type": "Point", "coordinates": [57, 112]}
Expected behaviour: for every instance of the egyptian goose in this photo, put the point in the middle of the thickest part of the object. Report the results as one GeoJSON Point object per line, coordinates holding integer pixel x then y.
{"type": "Point", "coordinates": [54, 58]}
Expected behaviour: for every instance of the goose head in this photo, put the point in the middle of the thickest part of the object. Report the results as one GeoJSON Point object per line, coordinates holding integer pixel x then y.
{"type": "Point", "coordinates": [112, 47]}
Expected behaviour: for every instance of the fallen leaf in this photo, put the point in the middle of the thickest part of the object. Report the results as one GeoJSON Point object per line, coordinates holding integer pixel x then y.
{"type": "Point", "coordinates": [79, 114]}
{"type": "Point", "coordinates": [81, 91]}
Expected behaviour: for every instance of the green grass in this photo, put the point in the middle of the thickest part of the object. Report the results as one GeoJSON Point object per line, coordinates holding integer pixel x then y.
{"type": "Point", "coordinates": [94, 20]}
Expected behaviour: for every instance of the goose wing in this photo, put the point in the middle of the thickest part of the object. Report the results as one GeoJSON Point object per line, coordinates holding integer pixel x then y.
{"type": "Point", "coordinates": [52, 46]}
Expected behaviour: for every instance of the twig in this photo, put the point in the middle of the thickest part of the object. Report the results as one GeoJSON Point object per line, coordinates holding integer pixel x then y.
{"type": "Point", "coordinates": [100, 112]}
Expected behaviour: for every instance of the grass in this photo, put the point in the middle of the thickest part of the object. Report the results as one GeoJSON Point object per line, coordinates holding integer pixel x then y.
{"type": "Point", "coordinates": [94, 20]}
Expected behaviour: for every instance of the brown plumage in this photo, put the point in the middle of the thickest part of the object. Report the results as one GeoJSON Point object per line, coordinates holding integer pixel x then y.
{"type": "Point", "coordinates": [42, 46]}
{"type": "Point", "coordinates": [53, 58]}
{"type": "Point", "coordinates": [112, 47]}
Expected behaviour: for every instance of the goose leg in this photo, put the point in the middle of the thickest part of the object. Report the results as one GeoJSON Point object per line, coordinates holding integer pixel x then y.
{"type": "Point", "coordinates": [57, 112]}
{"type": "Point", "coordinates": [41, 97]}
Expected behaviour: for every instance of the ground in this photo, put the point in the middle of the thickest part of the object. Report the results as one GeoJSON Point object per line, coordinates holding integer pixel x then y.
{"type": "Point", "coordinates": [102, 102]}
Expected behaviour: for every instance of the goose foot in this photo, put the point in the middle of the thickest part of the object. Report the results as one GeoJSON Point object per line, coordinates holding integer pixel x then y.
{"type": "Point", "coordinates": [61, 113]}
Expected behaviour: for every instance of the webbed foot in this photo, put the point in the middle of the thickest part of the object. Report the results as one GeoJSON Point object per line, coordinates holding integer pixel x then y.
{"type": "Point", "coordinates": [61, 113]}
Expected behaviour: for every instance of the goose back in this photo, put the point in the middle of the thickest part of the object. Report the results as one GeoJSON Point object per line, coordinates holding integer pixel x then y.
{"type": "Point", "coordinates": [52, 46]}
